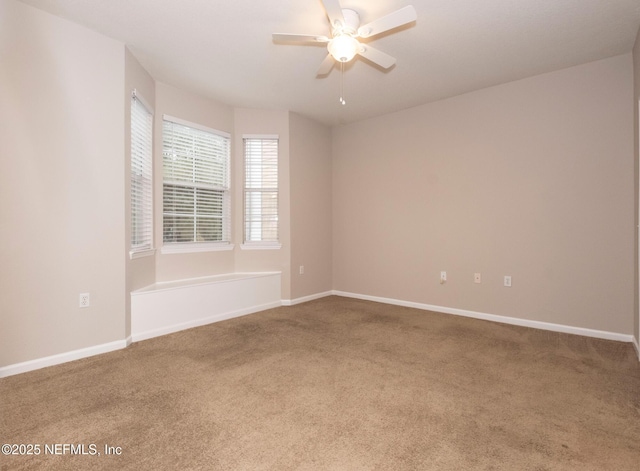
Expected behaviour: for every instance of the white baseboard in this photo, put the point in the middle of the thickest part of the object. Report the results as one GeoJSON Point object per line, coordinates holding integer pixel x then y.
{"type": "Point", "coordinates": [304, 299]}
{"type": "Point", "coordinates": [601, 334]}
{"type": "Point", "coordinates": [52, 360]}
{"type": "Point", "coordinates": [637, 347]}
{"type": "Point", "coordinates": [201, 321]}
{"type": "Point", "coordinates": [38, 363]}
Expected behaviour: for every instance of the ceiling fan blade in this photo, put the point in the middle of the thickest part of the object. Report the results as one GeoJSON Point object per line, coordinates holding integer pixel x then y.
{"type": "Point", "coordinates": [326, 66]}
{"type": "Point", "coordinates": [299, 38]}
{"type": "Point", "coordinates": [392, 20]}
{"type": "Point", "coordinates": [376, 56]}
{"type": "Point", "coordinates": [334, 12]}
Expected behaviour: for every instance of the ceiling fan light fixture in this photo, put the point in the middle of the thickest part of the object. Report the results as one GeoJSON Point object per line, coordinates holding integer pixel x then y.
{"type": "Point", "coordinates": [345, 31]}
{"type": "Point", "coordinates": [343, 47]}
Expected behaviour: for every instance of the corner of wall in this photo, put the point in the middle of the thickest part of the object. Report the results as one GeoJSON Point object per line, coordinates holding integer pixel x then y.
{"type": "Point", "coordinates": [636, 158]}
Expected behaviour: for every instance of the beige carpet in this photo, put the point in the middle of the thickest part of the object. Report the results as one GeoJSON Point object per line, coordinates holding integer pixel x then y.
{"type": "Point", "coordinates": [336, 384]}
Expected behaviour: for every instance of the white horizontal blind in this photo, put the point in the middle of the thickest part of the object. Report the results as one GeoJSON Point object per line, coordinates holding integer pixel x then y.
{"type": "Point", "coordinates": [141, 176]}
{"type": "Point", "coordinates": [195, 195]}
{"type": "Point", "coordinates": [261, 190]}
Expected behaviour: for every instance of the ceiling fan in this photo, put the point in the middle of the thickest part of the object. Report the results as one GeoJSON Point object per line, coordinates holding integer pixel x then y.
{"type": "Point", "coordinates": [343, 45]}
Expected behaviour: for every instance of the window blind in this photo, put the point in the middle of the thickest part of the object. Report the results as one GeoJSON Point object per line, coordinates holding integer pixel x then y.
{"type": "Point", "coordinates": [261, 189]}
{"type": "Point", "coordinates": [196, 196]}
{"type": "Point", "coordinates": [141, 175]}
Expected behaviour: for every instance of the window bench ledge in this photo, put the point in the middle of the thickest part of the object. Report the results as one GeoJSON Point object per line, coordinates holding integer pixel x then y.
{"type": "Point", "coordinates": [204, 280]}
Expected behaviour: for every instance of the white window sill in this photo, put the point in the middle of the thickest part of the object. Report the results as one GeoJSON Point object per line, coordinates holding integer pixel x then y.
{"type": "Point", "coordinates": [141, 253]}
{"type": "Point", "coordinates": [261, 246]}
{"type": "Point", "coordinates": [196, 247]}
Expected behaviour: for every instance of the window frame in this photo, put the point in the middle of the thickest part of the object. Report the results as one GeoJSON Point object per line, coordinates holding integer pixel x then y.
{"type": "Point", "coordinates": [269, 244]}
{"type": "Point", "coordinates": [141, 194]}
{"type": "Point", "coordinates": [225, 188]}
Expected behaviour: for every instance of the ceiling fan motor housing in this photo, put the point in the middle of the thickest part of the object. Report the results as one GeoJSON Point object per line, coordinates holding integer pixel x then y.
{"type": "Point", "coordinates": [351, 23]}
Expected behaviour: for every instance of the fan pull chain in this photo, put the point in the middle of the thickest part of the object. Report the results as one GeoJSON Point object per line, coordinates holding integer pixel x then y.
{"type": "Point", "coordinates": [342, 100]}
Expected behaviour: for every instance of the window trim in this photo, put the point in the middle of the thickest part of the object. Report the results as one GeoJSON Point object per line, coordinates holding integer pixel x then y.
{"type": "Point", "coordinates": [146, 249]}
{"type": "Point", "coordinates": [207, 246]}
{"type": "Point", "coordinates": [266, 245]}
{"type": "Point", "coordinates": [192, 247]}
{"type": "Point", "coordinates": [259, 244]}
{"type": "Point", "coordinates": [141, 253]}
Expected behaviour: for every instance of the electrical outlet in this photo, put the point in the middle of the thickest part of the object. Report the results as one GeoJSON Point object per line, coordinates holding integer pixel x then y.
{"type": "Point", "coordinates": [443, 277]}
{"type": "Point", "coordinates": [84, 299]}
{"type": "Point", "coordinates": [302, 269]}
{"type": "Point", "coordinates": [507, 281]}
{"type": "Point", "coordinates": [477, 278]}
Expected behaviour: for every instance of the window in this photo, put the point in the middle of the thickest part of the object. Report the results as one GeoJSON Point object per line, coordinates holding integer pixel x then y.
{"type": "Point", "coordinates": [195, 194]}
{"type": "Point", "coordinates": [261, 192]}
{"type": "Point", "coordinates": [141, 177]}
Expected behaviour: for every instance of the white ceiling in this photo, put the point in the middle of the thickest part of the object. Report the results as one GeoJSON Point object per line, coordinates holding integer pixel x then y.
{"type": "Point", "coordinates": [223, 49]}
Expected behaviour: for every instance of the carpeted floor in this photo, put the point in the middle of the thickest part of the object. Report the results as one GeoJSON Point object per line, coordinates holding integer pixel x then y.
{"type": "Point", "coordinates": [335, 384]}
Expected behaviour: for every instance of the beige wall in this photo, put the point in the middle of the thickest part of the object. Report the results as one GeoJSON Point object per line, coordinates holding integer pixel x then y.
{"type": "Point", "coordinates": [310, 207]}
{"type": "Point", "coordinates": [532, 179]}
{"type": "Point", "coordinates": [263, 122]}
{"type": "Point", "coordinates": [139, 272]}
{"type": "Point", "coordinates": [62, 188]}
{"type": "Point", "coordinates": [196, 109]}
{"type": "Point", "coordinates": [636, 173]}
